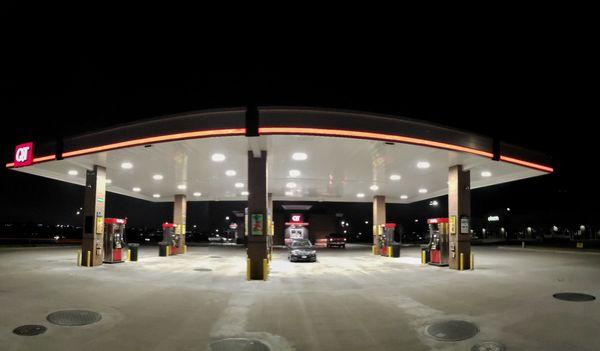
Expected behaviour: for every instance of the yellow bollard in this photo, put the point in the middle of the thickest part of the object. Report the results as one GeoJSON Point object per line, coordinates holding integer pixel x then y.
{"type": "Point", "coordinates": [423, 257]}
{"type": "Point", "coordinates": [265, 269]}
{"type": "Point", "coordinates": [389, 251]}
{"type": "Point", "coordinates": [168, 251]}
{"type": "Point", "coordinates": [184, 248]}
{"type": "Point", "coordinates": [373, 249]}
{"type": "Point", "coordinates": [462, 261]}
{"type": "Point", "coordinates": [88, 258]}
{"type": "Point", "coordinates": [248, 268]}
{"type": "Point", "coordinates": [472, 261]}
{"type": "Point", "coordinates": [128, 255]}
{"type": "Point", "coordinates": [78, 258]}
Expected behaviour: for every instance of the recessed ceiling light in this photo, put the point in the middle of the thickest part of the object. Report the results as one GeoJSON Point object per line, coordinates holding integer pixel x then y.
{"type": "Point", "coordinates": [156, 196]}
{"type": "Point", "coordinates": [404, 197]}
{"type": "Point", "coordinates": [395, 177]}
{"type": "Point", "coordinates": [157, 177]}
{"type": "Point", "coordinates": [126, 165]}
{"type": "Point", "coordinates": [73, 172]}
{"type": "Point", "coordinates": [136, 189]}
{"type": "Point", "coordinates": [239, 185]}
{"type": "Point", "coordinates": [486, 174]}
{"type": "Point", "coordinates": [360, 195]}
{"type": "Point", "coordinates": [294, 173]}
{"type": "Point", "coordinates": [108, 181]}
{"type": "Point", "coordinates": [422, 191]}
{"type": "Point", "coordinates": [299, 156]}
{"type": "Point", "coordinates": [291, 185]}
{"type": "Point", "coordinates": [196, 194]}
{"type": "Point", "coordinates": [423, 165]}
{"type": "Point", "coordinates": [289, 193]}
{"type": "Point", "coordinates": [230, 172]}
{"type": "Point", "coordinates": [181, 187]}
{"type": "Point", "coordinates": [245, 193]}
{"type": "Point", "coordinates": [374, 187]}
{"type": "Point", "coordinates": [218, 157]}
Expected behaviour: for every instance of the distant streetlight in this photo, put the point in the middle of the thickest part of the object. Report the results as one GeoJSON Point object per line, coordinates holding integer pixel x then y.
{"type": "Point", "coordinates": [226, 218]}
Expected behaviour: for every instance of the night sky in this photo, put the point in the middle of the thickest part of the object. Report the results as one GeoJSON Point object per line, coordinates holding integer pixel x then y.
{"type": "Point", "coordinates": [534, 93]}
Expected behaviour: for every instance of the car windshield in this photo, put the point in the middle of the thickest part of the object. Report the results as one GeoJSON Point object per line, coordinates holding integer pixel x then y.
{"type": "Point", "coordinates": [301, 243]}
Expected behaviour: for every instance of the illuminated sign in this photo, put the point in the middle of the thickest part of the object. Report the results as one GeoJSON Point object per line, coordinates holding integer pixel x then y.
{"type": "Point", "coordinates": [493, 219]}
{"type": "Point", "coordinates": [24, 154]}
{"type": "Point", "coordinates": [296, 219]}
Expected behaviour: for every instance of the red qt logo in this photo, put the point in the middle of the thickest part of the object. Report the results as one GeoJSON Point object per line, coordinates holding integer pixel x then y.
{"type": "Point", "coordinates": [24, 155]}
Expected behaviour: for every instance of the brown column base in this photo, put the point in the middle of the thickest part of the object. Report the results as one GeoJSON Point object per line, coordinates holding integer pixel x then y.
{"type": "Point", "coordinates": [257, 252]}
{"type": "Point", "coordinates": [463, 247]}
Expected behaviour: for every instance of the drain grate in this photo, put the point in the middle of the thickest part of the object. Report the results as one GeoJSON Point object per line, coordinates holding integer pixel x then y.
{"type": "Point", "coordinates": [238, 344]}
{"type": "Point", "coordinates": [452, 330]}
{"type": "Point", "coordinates": [30, 330]}
{"type": "Point", "coordinates": [575, 297]}
{"type": "Point", "coordinates": [203, 269]}
{"type": "Point", "coordinates": [74, 317]}
{"type": "Point", "coordinates": [488, 346]}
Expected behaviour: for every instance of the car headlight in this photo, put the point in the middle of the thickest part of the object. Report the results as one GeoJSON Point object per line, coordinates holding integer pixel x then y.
{"type": "Point", "coordinates": [313, 252]}
{"type": "Point", "coordinates": [295, 252]}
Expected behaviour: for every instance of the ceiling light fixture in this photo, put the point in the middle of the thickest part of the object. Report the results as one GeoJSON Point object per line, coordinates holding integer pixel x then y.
{"type": "Point", "coordinates": [423, 165]}
{"type": "Point", "coordinates": [299, 156]}
{"type": "Point", "coordinates": [294, 173]}
{"type": "Point", "coordinates": [108, 181]}
{"type": "Point", "coordinates": [374, 187]}
{"type": "Point", "coordinates": [245, 193]}
{"type": "Point", "coordinates": [230, 173]}
{"type": "Point", "coordinates": [156, 196]}
{"type": "Point", "coordinates": [73, 172]}
{"type": "Point", "coordinates": [239, 185]}
{"type": "Point", "coordinates": [218, 157]}
{"type": "Point", "coordinates": [404, 197]}
{"type": "Point", "coordinates": [136, 189]}
{"type": "Point", "coordinates": [360, 195]}
{"type": "Point", "coordinates": [197, 194]}
{"type": "Point", "coordinates": [422, 191]}
{"type": "Point", "coordinates": [395, 177]}
{"type": "Point", "coordinates": [126, 165]}
{"type": "Point", "coordinates": [157, 177]}
{"type": "Point", "coordinates": [291, 185]}
{"type": "Point", "coordinates": [486, 174]}
{"type": "Point", "coordinates": [181, 187]}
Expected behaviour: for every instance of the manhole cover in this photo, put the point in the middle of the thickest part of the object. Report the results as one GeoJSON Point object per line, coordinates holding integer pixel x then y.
{"type": "Point", "coordinates": [30, 330]}
{"type": "Point", "coordinates": [214, 256]}
{"type": "Point", "coordinates": [452, 330]}
{"type": "Point", "coordinates": [74, 317]}
{"type": "Point", "coordinates": [238, 344]}
{"type": "Point", "coordinates": [488, 346]}
{"type": "Point", "coordinates": [576, 297]}
{"type": "Point", "coordinates": [203, 269]}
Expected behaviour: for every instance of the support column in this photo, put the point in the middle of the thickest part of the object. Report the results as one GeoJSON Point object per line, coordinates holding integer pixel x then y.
{"type": "Point", "coordinates": [459, 214]}
{"type": "Point", "coordinates": [179, 219]}
{"type": "Point", "coordinates": [257, 213]}
{"type": "Point", "coordinates": [378, 220]}
{"type": "Point", "coordinates": [93, 217]}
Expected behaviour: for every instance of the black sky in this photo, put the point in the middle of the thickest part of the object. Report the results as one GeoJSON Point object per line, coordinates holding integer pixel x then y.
{"type": "Point", "coordinates": [531, 85]}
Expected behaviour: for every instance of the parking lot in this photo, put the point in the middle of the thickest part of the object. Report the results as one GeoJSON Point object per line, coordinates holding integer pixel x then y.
{"type": "Point", "coordinates": [347, 300]}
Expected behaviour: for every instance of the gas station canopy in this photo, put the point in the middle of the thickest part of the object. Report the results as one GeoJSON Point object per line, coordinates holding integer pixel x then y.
{"type": "Point", "coordinates": [313, 155]}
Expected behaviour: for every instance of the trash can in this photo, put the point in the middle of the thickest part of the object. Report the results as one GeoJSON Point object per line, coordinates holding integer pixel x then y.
{"type": "Point", "coordinates": [133, 251]}
{"type": "Point", "coordinates": [395, 250]}
{"type": "Point", "coordinates": [162, 248]}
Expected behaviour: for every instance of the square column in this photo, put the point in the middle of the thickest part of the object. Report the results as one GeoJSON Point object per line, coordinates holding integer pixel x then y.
{"type": "Point", "coordinates": [459, 215]}
{"type": "Point", "coordinates": [93, 217]}
{"type": "Point", "coordinates": [378, 220]}
{"type": "Point", "coordinates": [179, 218]}
{"type": "Point", "coordinates": [257, 214]}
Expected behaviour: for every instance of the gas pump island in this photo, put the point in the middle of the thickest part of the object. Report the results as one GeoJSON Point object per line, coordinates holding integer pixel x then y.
{"type": "Point", "coordinates": [388, 240]}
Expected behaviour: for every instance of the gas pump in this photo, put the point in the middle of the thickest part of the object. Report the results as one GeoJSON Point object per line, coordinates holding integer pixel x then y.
{"type": "Point", "coordinates": [438, 241]}
{"type": "Point", "coordinates": [389, 244]}
{"type": "Point", "coordinates": [114, 240]}
{"type": "Point", "coordinates": [170, 238]}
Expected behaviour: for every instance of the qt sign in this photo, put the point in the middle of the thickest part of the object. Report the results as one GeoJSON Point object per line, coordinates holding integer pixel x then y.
{"type": "Point", "coordinates": [23, 154]}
